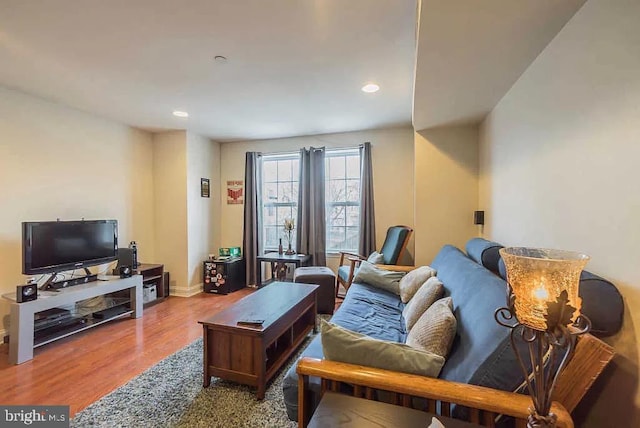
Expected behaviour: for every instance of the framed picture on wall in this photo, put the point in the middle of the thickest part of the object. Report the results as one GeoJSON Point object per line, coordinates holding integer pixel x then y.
{"type": "Point", "coordinates": [234, 192]}
{"type": "Point", "coordinates": [204, 187]}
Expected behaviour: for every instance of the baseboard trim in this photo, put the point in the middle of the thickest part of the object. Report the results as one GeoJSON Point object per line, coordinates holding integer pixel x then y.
{"type": "Point", "coordinates": [186, 291]}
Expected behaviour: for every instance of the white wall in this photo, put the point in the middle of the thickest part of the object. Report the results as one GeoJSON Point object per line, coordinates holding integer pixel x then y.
{"type": "Point", "coordinates": [559, 168]}
{"type": "Point", "coordinates": [203, 214]}
{"type": "Point", "coordinates": [170, 204]}
{"type": "Point", "coordinates": [446, 188]}
{"type": "Point", "coordinates": [392, 159]}
{"type": "Point", "coordinates": [57, 162]}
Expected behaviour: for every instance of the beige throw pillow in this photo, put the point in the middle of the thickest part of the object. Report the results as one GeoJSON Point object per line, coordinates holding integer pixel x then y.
{"type": "Point", "coordinates": [340, 344]}
{"type": "Point", "coordinates": [411, 282]}
{"type": "Point", "coordinates": [435, 329]}
{"type": "Point", "coordinates": [430, 291]}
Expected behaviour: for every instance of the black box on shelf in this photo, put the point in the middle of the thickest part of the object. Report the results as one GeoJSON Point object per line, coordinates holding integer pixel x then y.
{"type": "Point", "coordinates": [223, 276]}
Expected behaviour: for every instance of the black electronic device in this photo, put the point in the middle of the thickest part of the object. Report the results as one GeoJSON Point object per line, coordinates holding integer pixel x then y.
{"type": "Point", "coordinates": [73, 281]}
{"type": "Point", "coordinates": [26, 293]}
{"type": "Point", "coordinates": [251, 323]}
{"type": "Point", "coordinates": [56, 246]}
{"type": "Point", "coordinates": [478, 217]}
{"type": "Point", "coordinates": [126, 257]}
{"type": "Point", "coordinates": [125, 271]}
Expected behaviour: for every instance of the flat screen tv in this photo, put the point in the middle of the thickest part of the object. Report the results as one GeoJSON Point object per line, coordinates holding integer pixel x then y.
{"type": "Point", "coordinates": [56, 246]}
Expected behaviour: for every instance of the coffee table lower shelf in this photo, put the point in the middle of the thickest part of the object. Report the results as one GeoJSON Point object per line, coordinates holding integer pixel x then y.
{"type": "Point", "coordinates": [252, 356]}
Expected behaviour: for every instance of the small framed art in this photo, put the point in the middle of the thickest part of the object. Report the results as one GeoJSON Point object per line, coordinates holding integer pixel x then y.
{"type": "Point", "coordinates": [204, 187]}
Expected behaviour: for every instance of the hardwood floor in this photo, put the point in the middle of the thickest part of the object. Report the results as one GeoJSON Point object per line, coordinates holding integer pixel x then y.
{"type": "Point", "coordinates": [80, 369]}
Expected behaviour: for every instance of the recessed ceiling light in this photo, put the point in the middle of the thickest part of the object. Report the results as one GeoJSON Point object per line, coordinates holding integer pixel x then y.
{"type": "Point", "coordinates": [220, 59]}
{"type": "Point", "coordinates": [179, 113]}
{"type": "Point", "coordinates": [370, 87]}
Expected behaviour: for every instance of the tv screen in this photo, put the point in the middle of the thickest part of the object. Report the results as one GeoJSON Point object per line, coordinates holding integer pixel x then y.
{"type": "Point", "coordinates": [55, 246]}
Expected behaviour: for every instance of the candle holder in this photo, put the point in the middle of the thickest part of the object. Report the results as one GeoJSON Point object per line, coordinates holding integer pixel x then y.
{"type": "Point", "coordinates": [543, 312]}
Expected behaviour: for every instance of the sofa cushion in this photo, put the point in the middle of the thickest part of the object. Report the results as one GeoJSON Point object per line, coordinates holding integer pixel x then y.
{"type": "Point", "coordinates": [484, 252]}
{"type": "Point", "coordinates": [435, 329]}
{"type": "Point", "coordinates": [430, 291]}
{"type": "Point", "coordinates": [412, 281]}
{"type": "Point", "coordinates": [381, 278]}
{"type": "Point", "coordinates": [340, 344]}
{"type": "Point", "coordinates": [366, 309]}
{"type": "Point", "coordinates": [481, 353]}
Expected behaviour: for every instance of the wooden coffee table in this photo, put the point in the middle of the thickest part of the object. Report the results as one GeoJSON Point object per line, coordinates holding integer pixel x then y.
{"type": "Point", "coordinates": [252, 355]}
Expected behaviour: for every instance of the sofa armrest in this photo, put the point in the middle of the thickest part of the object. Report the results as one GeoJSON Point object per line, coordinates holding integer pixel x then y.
{"type": "Point", "coordinates": [396, 268]}
{"type": "Point", "coordinates": [484, 403]}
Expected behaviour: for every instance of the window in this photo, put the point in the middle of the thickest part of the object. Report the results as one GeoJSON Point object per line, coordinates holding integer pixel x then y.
{"type": "Point", "coordinates": [342, 199]}
{"type": "Point", "coordinates": [280, 174]}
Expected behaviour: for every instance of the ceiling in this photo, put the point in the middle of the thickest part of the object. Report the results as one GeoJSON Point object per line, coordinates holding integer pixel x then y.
{"type": "Point", "coordinates": [293, 67]}
{"type": "Point", "coordinates": [470, 53]}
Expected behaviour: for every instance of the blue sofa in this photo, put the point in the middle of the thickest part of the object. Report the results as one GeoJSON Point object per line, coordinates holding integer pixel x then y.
{"type": "Point", "coordinates": [481, 353]}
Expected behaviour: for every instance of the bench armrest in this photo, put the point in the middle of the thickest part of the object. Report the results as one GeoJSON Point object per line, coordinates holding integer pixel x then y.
{"type": "Point", "coordinates": [484, 403]}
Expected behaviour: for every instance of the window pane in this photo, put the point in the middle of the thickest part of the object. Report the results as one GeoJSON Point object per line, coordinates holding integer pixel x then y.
{"type": "Point", "coordinates": [284, 170]}
{"type": "Point", "coordinates": [353, 190]}
{"type": "Point", "coordinates": [269, 216]}
{"type": "Point", "coordinates": [337, 167]}
{"type": "Point", "coordinates": [337, 216]}
{"type": "Point", "coordinates": [285, 193]}
{"type": "Point", "coordinates": [295, 170]}
{"type": "Point", "coordinates": [337, 191]}
{"type": "Point", "coordinates": [353, 167]}
{"type": "Point", "coordinates": [283, 212]}
{"type": "Point", "coordinates": [271, 237]}
{"type": "Point", "coordinates": [351, 242]}
{"type": "Point", "coordinates": [270, 192]}
{"type": "Point", "coordinates": [336, 237]}
{"type": "Point", "coordinates": [353, 216]}
{"type": "Point", "coordinates": [270, 170]}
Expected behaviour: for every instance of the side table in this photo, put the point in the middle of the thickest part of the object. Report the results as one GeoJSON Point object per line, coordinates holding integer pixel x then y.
{"type": "Point", "coordinates": [275, 259]}
{"type": "Point", "coordinates": [346, 411]}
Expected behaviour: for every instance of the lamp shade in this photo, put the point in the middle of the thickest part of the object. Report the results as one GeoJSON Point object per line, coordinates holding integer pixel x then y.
{"type": "Point", "coordinates": [538, 277]}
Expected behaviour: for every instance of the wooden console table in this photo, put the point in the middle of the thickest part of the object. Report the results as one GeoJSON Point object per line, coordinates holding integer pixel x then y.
{"type": "Point", "coordinates": [253, 355]}
{"type": "Point", "coordinates": [21, 329]}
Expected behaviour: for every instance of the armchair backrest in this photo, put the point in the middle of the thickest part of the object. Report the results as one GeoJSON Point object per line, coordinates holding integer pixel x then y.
{"type": "Point", "coordinates": [395, 243]}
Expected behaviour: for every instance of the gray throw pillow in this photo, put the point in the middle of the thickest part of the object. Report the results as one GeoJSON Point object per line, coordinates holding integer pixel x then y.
{"type": "Point", "coordinates": [430, 291]}
{"type": "Point", "coordinates": [340, 344]}
{"type": "Point", "coordinates": [412, 281]}
{"type": "Point", "coordinates": [435, 329]}
{"type": "Point", "coordinates": [384, 279]}
{"type": "Point", "coordinates": [375, 258]}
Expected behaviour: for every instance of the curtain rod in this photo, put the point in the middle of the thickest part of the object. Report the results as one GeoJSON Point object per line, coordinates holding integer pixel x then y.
{"type": "Point", "coordinates": [297, 151]}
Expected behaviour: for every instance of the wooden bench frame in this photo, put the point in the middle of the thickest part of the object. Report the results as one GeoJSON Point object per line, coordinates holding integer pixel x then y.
{"type": "Point", "coordinates": [485, 404]}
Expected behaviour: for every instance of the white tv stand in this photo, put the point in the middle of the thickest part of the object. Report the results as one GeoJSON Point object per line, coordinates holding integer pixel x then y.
{"type": "Point", "coordinates": [21, 329]}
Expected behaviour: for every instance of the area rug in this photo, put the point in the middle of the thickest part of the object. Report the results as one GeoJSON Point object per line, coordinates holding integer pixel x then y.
{"type": "Point", "coordinates": [170, 394]}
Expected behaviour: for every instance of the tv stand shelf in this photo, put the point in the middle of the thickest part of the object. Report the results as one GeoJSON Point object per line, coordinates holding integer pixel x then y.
{"type": "Point", "coordinates": [22, 335]}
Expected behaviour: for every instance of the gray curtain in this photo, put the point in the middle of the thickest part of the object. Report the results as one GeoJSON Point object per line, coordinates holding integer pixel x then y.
{"type": "Point", "coordinates": [367, 243]}
{"type": "Point", "coordinates": [311, 222]}
{"type": "Point", "coordinates": [251, 235]}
